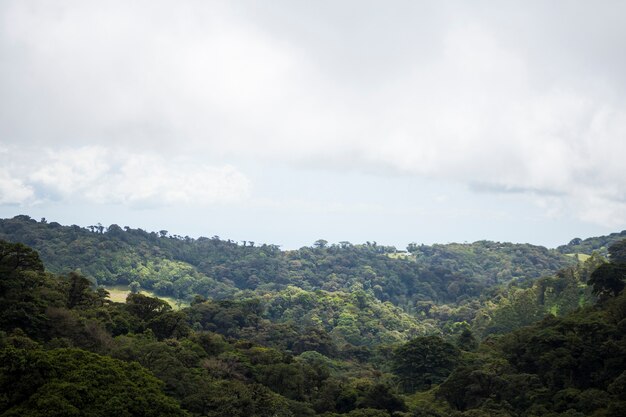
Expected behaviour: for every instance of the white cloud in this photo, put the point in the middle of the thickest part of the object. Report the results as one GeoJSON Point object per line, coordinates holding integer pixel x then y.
{"type": "Point", "coordinates": [70, 171]}
{"type": "Point", "coordinates": [153, 180]}
{"type": "Point", "coordinates": [475, 95]}
{"type": "Point", "coordinates": [12, 190]}
{"type": "Point", "coordinates": [114, 176]}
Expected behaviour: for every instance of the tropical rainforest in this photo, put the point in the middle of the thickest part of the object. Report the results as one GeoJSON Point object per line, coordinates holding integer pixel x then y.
{"type": "Point", "coordinates": [472, 329]}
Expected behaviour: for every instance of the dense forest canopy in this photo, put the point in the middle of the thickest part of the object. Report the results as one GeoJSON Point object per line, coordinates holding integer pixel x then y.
{"type": "Point", "coordinates": [182, 267]}
{"type": "Point", "coordinates": [587, 246]}
{"type": "Point", "coordinates": [481, 329]}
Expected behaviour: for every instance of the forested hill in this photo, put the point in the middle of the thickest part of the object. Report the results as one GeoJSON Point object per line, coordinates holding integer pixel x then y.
{"type": "Point", "coordinates": [212, 267]}
{"type": "Point", "coordinates": [587, 246]}
{"type": "Point", "coordinates": [66, 349]}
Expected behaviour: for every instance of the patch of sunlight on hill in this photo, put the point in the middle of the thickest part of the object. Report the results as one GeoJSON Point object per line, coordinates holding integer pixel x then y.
{"type": "Point", "coordinates": [582, 257]}
{"type": "Point", "coordinates": [118, 294]}
{"type": "Point", "coordinates": [401, 255]}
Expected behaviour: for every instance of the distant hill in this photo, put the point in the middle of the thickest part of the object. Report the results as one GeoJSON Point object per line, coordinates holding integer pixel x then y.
{"type": "Point", "coordinates": [212, 267]}
{"type": "Point", "coordinates": [280, 349]}
{"type": "Point", "coordinates": [587, 246]}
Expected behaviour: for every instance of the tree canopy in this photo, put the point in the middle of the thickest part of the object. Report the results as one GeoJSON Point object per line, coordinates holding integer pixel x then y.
{"type": "Point", "coordinates": [330, 330]}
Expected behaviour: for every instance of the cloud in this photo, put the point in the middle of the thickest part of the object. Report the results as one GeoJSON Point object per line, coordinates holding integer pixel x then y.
{"type": "Point", "coordinates": [113, 176]}
{"type": "Point", "coordinates": [12, 190]}
{"type": "Point", "coordinates": [488, 95]}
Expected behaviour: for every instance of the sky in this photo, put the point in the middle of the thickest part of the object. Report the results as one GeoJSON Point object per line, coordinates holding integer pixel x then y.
{"type": "Point", "coordinates": [285, 122]}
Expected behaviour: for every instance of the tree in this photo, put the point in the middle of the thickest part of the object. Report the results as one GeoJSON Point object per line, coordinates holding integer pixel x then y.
{"type": "Point", "coordinates": [73, 382]}
{"type": "Point", "coordinates": [144, 307]}
{"type": "Point", "coordinates": [78, 292]}
{"type": "Point", "coordinates": [608, 279]}
{"type": "Point", "coordinates": [412, 247]}
{"type": "Point", "coordinates": [466, 340]}
{"type": "Point", "coordinates": [380, 396]}
{"type": "Point", "coordinates": [320, 243]}
{"type": "Point", "coordinates": [134, 287]}
{"type": "Point", "coordinates": [617, 252]}
{"type": "Point", "coordinates": [169, 324]}
{"type": "Point", "coordinates": [17, 256]}
{"type": "Point", "coordinates": [424, 361]}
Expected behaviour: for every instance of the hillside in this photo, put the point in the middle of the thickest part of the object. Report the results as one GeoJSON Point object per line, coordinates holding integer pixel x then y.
{"type": "Point", "coordinates": [67, 348]}
{"type": "Point", "coordinates": [587, 246]}
{"type": "Point", "coordinates": [182, 267]}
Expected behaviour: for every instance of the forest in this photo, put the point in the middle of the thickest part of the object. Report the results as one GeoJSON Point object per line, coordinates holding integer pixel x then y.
{"type": "Point", "coordinates": [472, 329]}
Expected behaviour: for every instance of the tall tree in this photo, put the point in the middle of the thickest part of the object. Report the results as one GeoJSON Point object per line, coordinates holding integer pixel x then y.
{"type": "Point", "coordinates": [424, 361]}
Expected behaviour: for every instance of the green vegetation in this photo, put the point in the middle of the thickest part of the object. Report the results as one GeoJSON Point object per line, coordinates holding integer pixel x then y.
{"type": "Point", "coordinates": [118, 294]}
{"type": "Point", "coordinates": [181, 267]}
{"type": "Point", "coordinates": [593, 244]}
{"type": "Point", "coordinates": [483, 329]}
{"type": "Point", "coordinates": [73, 382]}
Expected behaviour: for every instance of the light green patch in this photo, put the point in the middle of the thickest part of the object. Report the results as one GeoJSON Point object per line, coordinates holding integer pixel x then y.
{"type": "Point", "coordinates": [554, 310]}
{"type": "Point", "coordinates": [581, 257]}
{"type": "Point", "coordinates": [118, 294]}
{"type": "Point", "coordinates": [401, 255]}
{"type": "Point", "coordinates": [581, 301]}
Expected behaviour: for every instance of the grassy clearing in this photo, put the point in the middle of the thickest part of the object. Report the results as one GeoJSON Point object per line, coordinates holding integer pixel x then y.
{"type": "Point", "coordinates": [400, 255]}
{"type": "Point", "coordinates": [581, 257]}
{"type": "Point", "coordinates": [118, 294]}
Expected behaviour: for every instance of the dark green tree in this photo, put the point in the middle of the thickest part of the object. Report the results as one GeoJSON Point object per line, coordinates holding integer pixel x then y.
{"type": "Point", "coordinates": [381, 396]}
{"type": "Point", "coordinates": [617, 252]}
{"type": "Point", "coordinates": [424, 361]}
{"type": "Point", "coordinates": [134, 287]}
{"type": "Point", "coordinates": [169, 324]}
{"type": "Point", "coordinates": [608, 280]}
{"type": "Point", "coordinates": [72, 382]}
{"type": "Point", "coordinates": [78, 291]}
{"type": "Point", "coordinates": [144, 307]}
{"type": "Point", "coordinates": [16, 256]}
{"type": "Point", "coordinates": [466, 340]}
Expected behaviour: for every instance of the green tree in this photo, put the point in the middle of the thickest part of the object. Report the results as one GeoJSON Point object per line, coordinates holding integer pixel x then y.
{"type": "Point", "coordinates": [144, 307]}
{"type": "Point", "coordinates": [466, 340]}
{"type": "Point", "coordinates": [617, 252]}
{"type": "Point", "coordinates": [16, 256]}
{"type": "Point", "coordinates": [320, 243]}
{"type": "Point", "coordinates": [424, 361]}
{"type": "Point", "coordinates": [73, 382]}
{"type": "Point", "coordinates": [169, 324]}
{"type": "Point", "coordinates": [134, 287]}
{"type": "Point", "coordinates": [79, 290]}
{"type": "Point", "coordinates": [608, 280]}
{"type": "Point", "coordinates": [381, 396]}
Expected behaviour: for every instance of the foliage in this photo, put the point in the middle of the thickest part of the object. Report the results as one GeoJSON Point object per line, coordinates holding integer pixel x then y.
{"type": "Point", "coordinates": [609, 279]}
{"type": "Point", "coordinates": [569, 365]}
{"type": "Point", "coordinates": [424, 361]}
{"type": "Point", "coordinates": [72, 382]}
{"type": "Point", "coordinates": [593, 244]}
{"type": "Point", "coordinates": [330, 330]}
{"type": "Point", "coordinates": [181, 266]}
{"type": "Point", "coordinates": [150, 360]}
{"type": "Point", "coordinates": [521, 304]}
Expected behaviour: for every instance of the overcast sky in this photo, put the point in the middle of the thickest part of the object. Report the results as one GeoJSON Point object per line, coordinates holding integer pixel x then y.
{"type": "Point", "coordinates": [289, 121]}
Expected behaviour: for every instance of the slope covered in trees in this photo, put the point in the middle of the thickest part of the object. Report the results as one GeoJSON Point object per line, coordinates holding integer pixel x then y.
{"type": "Point", "coordinates": [574, 365]}
{"type": "Point", "coordinates": [587, 246]}
{"type": "Point", "coordinates": [182, 267]}
{"type": "Point", "coordinates": [294, 351]}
